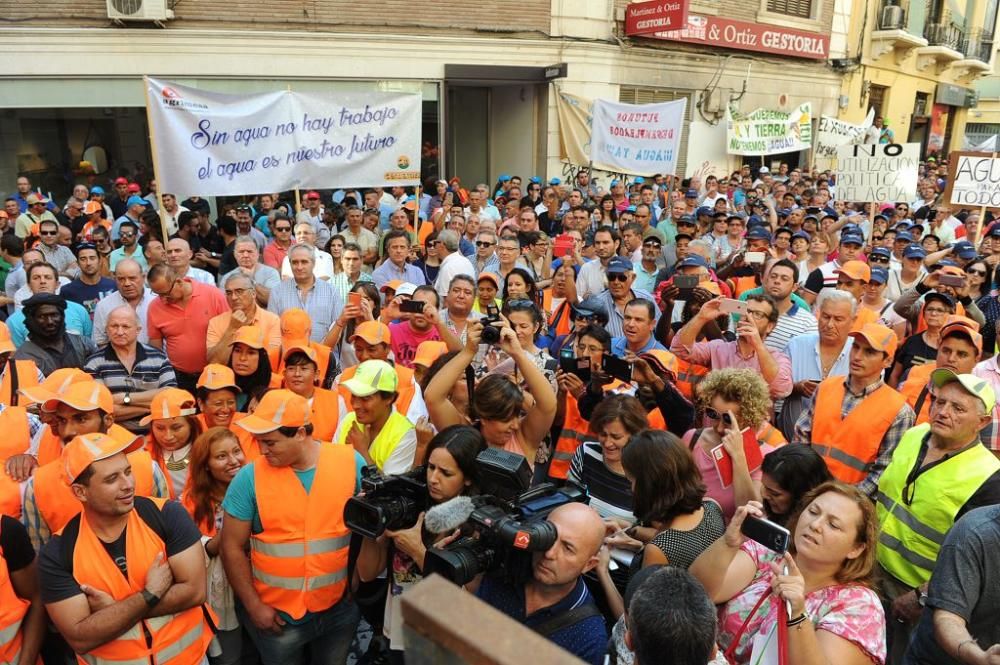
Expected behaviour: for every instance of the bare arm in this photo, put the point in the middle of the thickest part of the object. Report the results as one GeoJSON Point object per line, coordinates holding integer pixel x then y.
{"type": "Point", "coordinates": [25, 583]}
{"type": "Point", "coordinates": [189, 587]}
{"type": "Point", "coordinates": [373, 558]}
{"type": "Point", "coordinates": [539, 419]}
{"type": "Point", "coordinates": [442, 412]}
{"type": "Point", "coordinates": [952, 635]}
{"type": "Point", "coordinates": [85, 631]}
{"type": "Point", "coordinates": [723, 569]}
{"type": "Point", "coordinates": [235, 536]}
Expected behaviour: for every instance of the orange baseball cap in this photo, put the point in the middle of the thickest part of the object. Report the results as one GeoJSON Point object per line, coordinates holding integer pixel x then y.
{"type": "Point", "coordinates": [170, 403]}
{"type": "Point", "coordinates": [6, 343]}
{"type": "Point", "coordinates": [663, 362]}
{"type": "Point", "coordinates": [278, 408]}
{"type": "Point", "coordinates": [83, 396]}
{"type": "Point", "coordinates": [428, 352]}
{"type": "Point", "coordinates": [392, 285]}
{"type": "Point", "coordinates": [295, 324]}
{"type": "Point", "coordinates": [301, 346]}
{"type": "Point", "coordinates": [252, 336]}
{"type": "Point", "coordinates": [90, 207]}
{"type": "Point", "coordinates": [55, 383]}
{"type": "Point", "coordinates": [856, 270]}
{"type": "Point", "coordinates": [489, 276]}
{"type": "Point", "coordinates": [86, 449]}
{"type": "Point", "coordinates": [217, 377]}
{"type": "Point", "coordinates": [373, 332]}
{"type": "Point", "coordinates": [964, 320]}
{"type": "Point", "coordinates": [878, 336]}
{"type": "Point", "coordinates": [960, 328]}
{"type": "Point", "coordinates": [710, 286]}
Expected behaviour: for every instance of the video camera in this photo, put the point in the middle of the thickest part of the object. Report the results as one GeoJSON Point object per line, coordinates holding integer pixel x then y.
{"type": "Point", "coordinates": [504, 526]}
{"type": "Point", "coordinates": [387, 502]}
{"type": "Point", "coordinates": [492, 322]}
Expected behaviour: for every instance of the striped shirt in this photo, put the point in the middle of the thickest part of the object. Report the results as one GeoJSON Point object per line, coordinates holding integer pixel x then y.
{"type": "Point", "coordinates": [322, 303]}
{"type": "Point", "coordinates": [792, 323]}
{"type": "Point", "coordinates": [610, 492]}
{"type": "Point", "coordinates": [151, 371]}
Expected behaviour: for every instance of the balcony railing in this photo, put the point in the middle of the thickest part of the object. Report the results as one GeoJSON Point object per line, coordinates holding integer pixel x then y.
{"type": "Point", "coordinates": [940, 31]}
{"type": "Point", "coordinates": [978, 45]}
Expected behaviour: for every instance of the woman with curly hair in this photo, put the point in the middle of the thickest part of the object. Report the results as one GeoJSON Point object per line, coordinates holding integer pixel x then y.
{"type": "Point", "coordinates": [733, 400]}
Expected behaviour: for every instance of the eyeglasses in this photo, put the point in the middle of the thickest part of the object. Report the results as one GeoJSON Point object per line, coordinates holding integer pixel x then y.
{"type": "Point", "coordinates": [230, 293]}
{"type": "Point", "coordinates": [651, 243]}
{"type": "Point", "coordinates": [935, 310]}
{"type": "Point", "coordinates": [483, 243]}
{"type": "Point", "coordinates": [617, 277]}
{"type": "Point", "coordinates": [877, 238]}
{"type": "Point", "coordinates": [282, 229]}
{"type": "Point", "coordinates": [757, 314]}
{"type": "Point", "coordinates": [712, 414]}
{"type": "Point", "coordinates": [48, 233]}
{"type": "Point", "coordinates": [126, 234]}
{"type": "Point", "coordinates": [878, 259]}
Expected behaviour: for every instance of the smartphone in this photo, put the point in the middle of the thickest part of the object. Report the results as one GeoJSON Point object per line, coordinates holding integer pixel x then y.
{"type": "Point", "coordinates": [616, 367]}
{"type": "Point", "coordinates": [952, 280]}
{"type": "Point", "coordinates": [686, 282]}
{"type": "Point", "coordinates": [730, 306]}
{"type": "Point", "coordinates": [412, 306]}
{"type": "Point", "coordinates": [754, 257]}
{"type": "Point", "coordinates": [570, 364]}
{"type": "Point", "coordinates": [354, 299]}
{"type": "Point", "coordinates": [772, 536]}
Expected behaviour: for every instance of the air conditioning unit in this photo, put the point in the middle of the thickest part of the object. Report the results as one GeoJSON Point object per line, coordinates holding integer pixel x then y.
{"type": "Point", "coordinates": [139, 10]}
{"type": "Point", "coordinates": [892, 18]}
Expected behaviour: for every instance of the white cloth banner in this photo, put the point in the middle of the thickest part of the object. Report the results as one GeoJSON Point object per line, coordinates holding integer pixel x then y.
{"type": "Point", "coordinates": [833, 133]}
{"type": "Point", "coordinates": [213, 144]}
{"type": "Point", "coordinates": [638, 139]}
{"type": "Point", "coordinates": [768, 131]}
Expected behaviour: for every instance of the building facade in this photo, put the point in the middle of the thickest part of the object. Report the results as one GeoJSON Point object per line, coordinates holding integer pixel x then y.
{"type": "Point", "coordinates": [72, 73]}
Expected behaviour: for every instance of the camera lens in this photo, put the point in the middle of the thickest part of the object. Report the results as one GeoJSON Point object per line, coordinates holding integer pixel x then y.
{"type": "Point", "coordinates": [491, 335]}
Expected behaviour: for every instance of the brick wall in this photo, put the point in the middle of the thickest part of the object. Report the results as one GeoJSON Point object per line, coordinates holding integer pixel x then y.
{"type": "Point", "coordinates": [420, 16]}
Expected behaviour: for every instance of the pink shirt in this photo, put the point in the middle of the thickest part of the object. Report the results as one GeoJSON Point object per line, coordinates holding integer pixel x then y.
{"type": "Point", "coordinates": [710, 475]}
{"type": "Point", "coordinates": [405, 341]}
{"type": "Point", "coordinates": [184, 330]}
{"type": "Point", "coordinates": [720, 354]}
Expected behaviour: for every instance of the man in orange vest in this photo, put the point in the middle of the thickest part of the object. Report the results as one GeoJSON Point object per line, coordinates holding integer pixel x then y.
{"type": "Point", "coordinates": [372, 341]}
{"type": "Point", "coordinates": [288, 507]}
{"type": "Point", "coordinates": [301, 377]}
{"type": "Point", "coordinates": [124, 582]}
{"type": "Point", "coordinates": [959, 349]}
{"type": "Point", "coordinates": [855, 423]}
{"type": "Point", "coordinates": [22, 615]}
{"type": "Point", "coordinates": [852, 277]}
{"type": "Point", "coordinates": [85, 407]}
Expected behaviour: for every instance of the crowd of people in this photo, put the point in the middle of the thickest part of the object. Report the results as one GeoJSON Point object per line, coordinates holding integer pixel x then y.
{"type": "Point", "coordinates": [194, 391]}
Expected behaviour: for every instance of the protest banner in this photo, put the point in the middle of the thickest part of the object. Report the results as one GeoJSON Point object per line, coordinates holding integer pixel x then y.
{"type": "Point", "coordinates": [214, 144]}
{"type": "Point", "coordinates": [833, 133]}
{"type": "Point", "coordinates": [767, 131]}
{"type": "Point", "coordinates": [574, 127]}
{"type": "Point", "coordinates": [877, 173]}
{"type": "Point", "coordinates": [973, 179]}
{"type": "Point", "coordinates": [644, 18]}
{"type": "Point", "coordinates": [638, 139]}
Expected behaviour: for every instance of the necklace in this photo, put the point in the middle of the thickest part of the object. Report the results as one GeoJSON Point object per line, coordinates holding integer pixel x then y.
{"type": "Point", "coordinates": [178, 460]}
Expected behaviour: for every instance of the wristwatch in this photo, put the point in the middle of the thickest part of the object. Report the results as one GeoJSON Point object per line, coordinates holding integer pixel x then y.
{"type": "Point", "coordinates": [921, 597]}
{"type": "Point", "coordinates": [150, 598]}
{"type": "Point", "coordinates": [127, 399]}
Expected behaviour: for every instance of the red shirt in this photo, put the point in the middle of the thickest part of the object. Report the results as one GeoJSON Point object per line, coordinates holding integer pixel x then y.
{"type": "Point", "coordinates": [184, 329]}
{"type": "Point", "coordinates": [274, 254]}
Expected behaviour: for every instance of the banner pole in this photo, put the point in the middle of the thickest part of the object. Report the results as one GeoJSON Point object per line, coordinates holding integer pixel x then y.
{"type": "Point", "coordinates": [982, 213]}
{"type": "Point", "coordinates": [298, 201]}
{"type": "Point", "coordinates": [156, 163]}
{"type": "Point", "coordinates": [416, 212]}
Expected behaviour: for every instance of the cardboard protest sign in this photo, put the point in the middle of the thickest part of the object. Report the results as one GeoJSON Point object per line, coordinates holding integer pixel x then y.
{"type": "Point", "coordinates": [885, 172]}
{"type": "Point", "coordinates": [214, 144]}
{"type": "Point", "coordinates": [973, 180]}
{"type": "Point", "coordinates": [639, 139]}
{"type": "Point", "coordinates": [768, 131]}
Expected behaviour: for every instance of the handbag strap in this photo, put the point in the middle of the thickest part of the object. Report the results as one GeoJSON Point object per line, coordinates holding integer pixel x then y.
{"type": "Point", "coordinates": [782, 629]}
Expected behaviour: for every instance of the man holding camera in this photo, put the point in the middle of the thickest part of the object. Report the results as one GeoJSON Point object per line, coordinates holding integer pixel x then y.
{"type": "Point", "coordinates": [555, 602]}
{"type": "Point", "coordinates": [289, 507]}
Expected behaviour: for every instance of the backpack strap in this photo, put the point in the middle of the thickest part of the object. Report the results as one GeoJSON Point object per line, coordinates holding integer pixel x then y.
{"type": "Point", "coordinates": [554, 624]}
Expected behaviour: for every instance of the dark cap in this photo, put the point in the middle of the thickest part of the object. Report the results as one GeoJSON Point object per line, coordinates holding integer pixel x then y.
{"type": "Point", "coordinates": [759, 233]}
{"type": "Point", "coordinates": [40, 299]}
{"type": "Point", "coordinates": [693, 261]}
{"type": "Point", "coordinates": [618, 264]}
{"type": "Point", "coordinates": [690, 220]}
{"type": "Point", "coordinates": [591, 306]}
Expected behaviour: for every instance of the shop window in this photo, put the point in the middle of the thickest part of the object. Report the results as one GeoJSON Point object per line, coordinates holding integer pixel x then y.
{"type": "Point", "coordinates": [637, 95]}
{"type": "Point", "coordinates": [796, 8]}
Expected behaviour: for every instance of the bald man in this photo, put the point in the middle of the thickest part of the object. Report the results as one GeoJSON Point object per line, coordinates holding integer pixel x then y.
{"type": "Point", "coordinates": [555, 601]}
{"type": "Point", "coordinates": [179, 257]}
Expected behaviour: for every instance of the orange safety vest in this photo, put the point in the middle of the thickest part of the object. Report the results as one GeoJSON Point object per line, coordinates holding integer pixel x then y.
{"type": "Point", "coordinates": [299, 560]}
{"type": "Point", "coordinates": [741, 285]}
{"type": "Point", "coordinates": [863, 317]}
{"type": "Point", "coordinates": [405, 387]}
{"type": "Point", "coordinates": [49, 446]}
{"type": "Point", "coordinates": [849, 445]}
{"type": "Point", "coordinates": [179, 639]}
{"type": "Point", "coordinates": [208, 530]}
{"type": "Point", "coordinates": [27, 377]}
{"type": "Point", "coordinates": [915, 390]}
{"type": "Point", "coordinates": [689, 375]}
{"type": "Point", "coordinates": [771, 435]}
{"type": "Point", "coordinates": [13, 609]}
{"type": "Point", "coordinates": [55, 500]}
{"type": "Point", "coordinates": [251, 449]}
{"type": "Point", "coordinates": [561, 319]}
{"type": "Point", "coordinates": [16, 441]}
{"type": "Point", "coordinates": [325, 413]}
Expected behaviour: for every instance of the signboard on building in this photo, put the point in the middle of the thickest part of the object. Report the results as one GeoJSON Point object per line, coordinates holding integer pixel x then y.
{"type": "Point", "coordinates": [728, 33]}
{"type": "Point", "coordinates": [878, 173]}
{"type": "Point", "coordinates": [638, 139]}
{"type": "Point", "coordinates": [644, 18]}
{"type": "Point", "coordinates": [769, 131]}
{"type": "Point", "coordinates": [215, 144]}
{"type": "Point", "coordinates": [954, 95]}
{"type": "Point", "coordinates": [973, 180]}
{"type": "Point", "coordinates": [833, 133]}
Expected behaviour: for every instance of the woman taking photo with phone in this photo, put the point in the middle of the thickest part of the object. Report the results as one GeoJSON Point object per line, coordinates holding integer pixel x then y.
{"type": "Point", "coordinates": [821, 588]}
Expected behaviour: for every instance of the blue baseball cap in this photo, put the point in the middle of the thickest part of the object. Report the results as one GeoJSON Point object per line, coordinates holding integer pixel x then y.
{"type": "Point", "coordinates": [994, 231]}
{"type": "Point", "coordinates": [852, 238]}
{"type": "Point", "coordinates": [905, 235]}
{"type": "Point", "coordinates": [97, 189]}
{"type": "Point", "coordinates": [535, 179]}
{"type": "Point", "coordinates": [136, 200]}
{"type": "Point", "coordinates": [691, 194]}
{"type": "Point", "coordinates": [692, 261]}
{"type": "Point", "coordinates": [555, 182]}
{"type": "Point", "coordinates": [630, 209]}
{"type": "Point", "coordinates": [964, 249]}
{"type": "Point", "coordinates": [759, 233]}
{"type": "Point", "coordinates": [879, 275]}
{"type": "Point", "coordinates": [618, 265]}
{"type": "Point", "coordinates": [614, 183]}
{"type": "Point", "coordinates": [639, 181]}
{"type": "Point", "coordinates": [690, 221]}
{"type": "Point", "coordinates": [914, 252]}
{"type": "Point", "coordinates": [704, 211]}
{"type": "Point", "coordinates": [802, 234]}
{"type": "Point", "coordinates": [754, 220]}
{"type": "Point", "coordinates": [504, 177]}
{"type": "Point", "coordinates": [783, 212]}
{"type": "Point", "coordinates": [852, 230]}
{"type": "Point", "coordinates": [880, 215]}
{"type": "Point", "coordinates": [902, 226]}
{"type": "Point", "coordinates": [881, 251]}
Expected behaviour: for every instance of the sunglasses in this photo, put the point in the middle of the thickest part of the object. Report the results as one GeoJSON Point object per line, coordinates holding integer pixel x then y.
{"type": "Point", "coordinates": [126, 234]}
{"type": "Point", "coordinates": [651, 243]}
{"type": "Point", "coordinates": [483, 243]}
{"type": "Point", "coordinates": [712, 414]}
{"type": "Point", "coordinates": [617, 277]}
{"type": "Point", "coordinates": [48, 233]}
{"type": "Point", "coordinates": [877, 238]}
{"type": "Point", "coordinates": [980, 273]}
{"type": "Point", "coordinates": [282, 229]}
{"type": "Point", "coordinates": [877, 259]}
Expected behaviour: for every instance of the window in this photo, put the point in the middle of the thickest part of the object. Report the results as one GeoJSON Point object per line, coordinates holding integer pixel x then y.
{"type": "Point", "coordinates": [876, 98]}
{"type": "Point", "coordinates": [797, 8]}
{"type": "Point", "coordinates": [636, 95]}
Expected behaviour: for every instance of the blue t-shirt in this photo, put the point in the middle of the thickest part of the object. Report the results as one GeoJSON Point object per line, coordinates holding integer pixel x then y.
{"type": "Point", "coordinates": [619, 346]}
{"type": "Point", "coordinates": [241, 503]}
{"type": "Point", "coordinates": [88, 295]}
{"type": "Point", "coordinates": [77, 321]}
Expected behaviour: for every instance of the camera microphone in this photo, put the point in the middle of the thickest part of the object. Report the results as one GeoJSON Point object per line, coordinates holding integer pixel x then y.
{"type": "Point", "coordinates": [450, 515]}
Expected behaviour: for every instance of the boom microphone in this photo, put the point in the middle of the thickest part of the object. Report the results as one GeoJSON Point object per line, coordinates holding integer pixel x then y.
{"type": "Point", "coordinates": [448, 516]}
